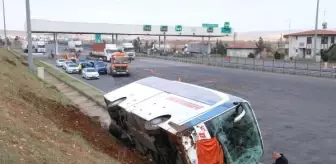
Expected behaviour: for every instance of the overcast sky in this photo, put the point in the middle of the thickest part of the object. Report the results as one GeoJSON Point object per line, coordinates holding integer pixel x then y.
{"type": "Point", "coordinates": [244, 15]}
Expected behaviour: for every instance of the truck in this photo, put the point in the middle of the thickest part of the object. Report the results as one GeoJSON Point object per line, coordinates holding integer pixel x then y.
{"type": "Point", "coordinates": [173, 122]}
{"type": "Point", "coordinates": [128, 48]}
{"type": "Point", "coordinates": [196, 48]}
{"type": "Point", "coordinates": [104, 51]}
{"type": "Point", "coordinates": [38, 46]}
{"type": "Point", "coordinates": [75, 46]}
{"type": "Point", "coordinates": [119, 64]}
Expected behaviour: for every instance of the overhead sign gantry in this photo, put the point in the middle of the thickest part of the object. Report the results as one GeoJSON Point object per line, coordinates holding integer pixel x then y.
{"type": "Point", "coordinates": [55, 27]}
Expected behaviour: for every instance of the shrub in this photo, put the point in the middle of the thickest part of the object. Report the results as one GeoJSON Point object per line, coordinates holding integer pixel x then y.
{"type": "Point", "coordinates": [251, 55]}
{"type": "Point", "coordinates": [277, 55]}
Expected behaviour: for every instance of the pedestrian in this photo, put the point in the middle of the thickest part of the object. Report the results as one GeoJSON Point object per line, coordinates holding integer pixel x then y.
{"type": "Point", "coordinates": [279, 158]}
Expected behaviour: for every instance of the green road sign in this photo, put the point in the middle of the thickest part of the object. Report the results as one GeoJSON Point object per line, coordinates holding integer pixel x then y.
{"type": "Point", "coordinates": [227, 24]}
{"type": "Point", "coordinates": [178, 28]}
{"type": "Point", "coordinates": [210, 29]}
{"type": "Point", "coordinates": [98, 38]}
{"type": "Point", "coordinates": [206, 25]}
{"type": "Point", "coordinates": [164, 28]}
{"type": "Point", "coordinates": [147, 28]}
{"type": "Point", "coordinates": [226, 30]}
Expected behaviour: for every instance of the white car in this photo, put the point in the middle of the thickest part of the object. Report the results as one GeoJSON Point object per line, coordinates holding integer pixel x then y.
{"type": "Point", "coordinates": [90, 73]}
{"type": "Point", "coordinates": [67, 62]}
{"type": "Point", "coordinates": [59, 62]}
{"type": "Point", "coordinates": [72, 68]}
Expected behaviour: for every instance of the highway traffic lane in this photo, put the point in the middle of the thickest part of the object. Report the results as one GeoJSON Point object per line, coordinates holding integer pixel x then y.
{"type": "Point", "coordinates": [108, 83]}
{"type": "Point", "coordinates": [291, 119]}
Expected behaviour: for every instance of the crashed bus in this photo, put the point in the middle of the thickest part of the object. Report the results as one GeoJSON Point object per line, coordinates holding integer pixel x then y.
{"type": "Point", "coordinates": [179, 123]}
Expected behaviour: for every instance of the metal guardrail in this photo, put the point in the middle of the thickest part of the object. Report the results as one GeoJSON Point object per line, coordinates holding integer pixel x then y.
{"type": "Point", "coordinates": [294, 67]}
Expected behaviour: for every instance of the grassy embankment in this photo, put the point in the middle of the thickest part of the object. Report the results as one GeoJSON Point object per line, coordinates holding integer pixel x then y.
{"type": "Point", "coordinates": [39, 125]}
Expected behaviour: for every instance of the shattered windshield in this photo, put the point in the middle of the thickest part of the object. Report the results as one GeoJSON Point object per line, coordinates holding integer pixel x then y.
{"type": "Point", "coordinates": [241, 141]}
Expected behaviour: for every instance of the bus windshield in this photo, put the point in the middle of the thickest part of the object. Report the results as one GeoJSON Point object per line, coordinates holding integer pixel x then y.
{"type": "Point", "coordinates": [241, 141]}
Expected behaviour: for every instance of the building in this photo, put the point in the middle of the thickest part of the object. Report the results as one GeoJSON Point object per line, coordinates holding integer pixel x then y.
{"type": "Point", "coordinates": [300, 44]}
{"type": "Point", "coordinates": [242, 49]}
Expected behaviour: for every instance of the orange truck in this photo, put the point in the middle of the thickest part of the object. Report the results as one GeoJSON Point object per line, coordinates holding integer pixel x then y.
{"type": "Point", "coordinates": [71, 56]}
{"type": "Point", "coordinates": [119, 64]}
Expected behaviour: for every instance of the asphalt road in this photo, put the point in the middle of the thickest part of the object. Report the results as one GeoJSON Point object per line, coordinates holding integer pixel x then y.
{"type": "Point", "coordinates": [296, 113]}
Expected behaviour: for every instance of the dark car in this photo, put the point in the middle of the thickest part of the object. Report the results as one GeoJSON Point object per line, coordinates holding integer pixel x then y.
{"type": "Point", "coordinates": [81, 60]}
{"type": "Point", "coordinates": [100, 66]}
{"type": "Point", "coordinates": [85, 65]}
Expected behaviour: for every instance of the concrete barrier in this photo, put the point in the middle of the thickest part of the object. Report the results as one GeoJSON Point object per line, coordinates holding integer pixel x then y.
{"type": "Point", "coordinates": [40, 72]}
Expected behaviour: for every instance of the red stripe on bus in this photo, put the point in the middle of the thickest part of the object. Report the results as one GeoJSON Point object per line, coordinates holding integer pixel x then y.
{"type": "Point", "coordinates": [185, 103]}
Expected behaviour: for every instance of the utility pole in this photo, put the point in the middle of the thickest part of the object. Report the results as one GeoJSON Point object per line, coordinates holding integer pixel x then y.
{"type": "Point", "coordinates": [289, 26]}
{"type": "Point", "coordinates": [4, 20]}
{"type": "Point", "coordinates": [29, 37]}
{"type": "Point", "coordinates": [316, 25]}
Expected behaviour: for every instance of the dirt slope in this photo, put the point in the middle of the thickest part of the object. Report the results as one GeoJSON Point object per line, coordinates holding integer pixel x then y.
{"type": "Point", "coordinates": [37, 124]}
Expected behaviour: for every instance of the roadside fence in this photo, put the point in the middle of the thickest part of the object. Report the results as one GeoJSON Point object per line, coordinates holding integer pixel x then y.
{"type": "Point", "coordinates": [296, 67]}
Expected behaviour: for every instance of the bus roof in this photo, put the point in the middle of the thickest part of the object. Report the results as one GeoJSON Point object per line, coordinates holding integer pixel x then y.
{"type": "Point", "coordinates": [187, 104]}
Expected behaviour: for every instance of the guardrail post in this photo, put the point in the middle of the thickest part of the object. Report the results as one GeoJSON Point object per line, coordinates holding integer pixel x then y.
{"type": "Point", "coordinates": [237, 61]}
{"type": "Point", "coordinates": [253, 63]}
{"type": "Point", "coordinates": [295, 66]}
{"type": "Point", "coordinates": [307, 70]}
{"type": "Point", "coordinates": [283, 66]}
{"type": "Point", "coordinates": [320, 68]}
{"type": "Point", "coordinates": [263, 66]}
{"type": "Point", "coordinates": [245, 63]}
{"type": "Point", "coordinates": [229, 61]}
{"type": "Point", "coordinates": [208, 59]}
{"type": "Point", "coordinates": [222, 59]}
{"type": "Point", "coordinates": [273, 65]}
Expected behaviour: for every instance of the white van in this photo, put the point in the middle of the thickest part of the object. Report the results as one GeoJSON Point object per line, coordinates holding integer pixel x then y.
{"type": "Point", "coordinates": [39, 47]}
{"type": "Point", "coordinates": [129, 50]}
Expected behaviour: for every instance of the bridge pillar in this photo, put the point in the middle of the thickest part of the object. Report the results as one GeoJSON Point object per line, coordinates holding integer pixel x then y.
{"type": "Point", "coordinates": [116, 39]}
{"type": "Point", "coordinates": [164, 42]}
{"type": "Point", "coordinates": [209, 46]}
{"type": "Point", "coordinates": [112, 38]}
{"type": "Point", "coordinates": [56, 43]}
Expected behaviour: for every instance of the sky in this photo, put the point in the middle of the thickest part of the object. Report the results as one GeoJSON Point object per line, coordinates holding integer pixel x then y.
{"type": "Point", "coordinates": [243, 15]}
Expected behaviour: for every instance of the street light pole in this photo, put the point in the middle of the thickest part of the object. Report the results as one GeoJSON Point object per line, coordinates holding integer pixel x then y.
{"type": "Point", "coordinates": [316, 25]}
{"type": "Point", "coordinates": [29, 37]}
{"type": "Point", "coordinates": [4, 20]}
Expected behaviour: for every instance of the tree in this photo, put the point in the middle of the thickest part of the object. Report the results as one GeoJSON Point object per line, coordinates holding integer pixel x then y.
{"type": "Point", "coordinates": [268, 47]}
{"type": "Point", "coordinates": [146, 45]}
{"type": "Point", "coordinates": [136, 44]}
{"type": "Point", "coordinates": [260, 45]}
{"type": "Point", "coordinates": [221, 47]}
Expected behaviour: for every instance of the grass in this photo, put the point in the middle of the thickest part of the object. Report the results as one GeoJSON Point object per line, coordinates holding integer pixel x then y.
{"type": "Point", "coordinates": [39, 125]}
{"type": "Point", "coordinates": [89, 91]}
